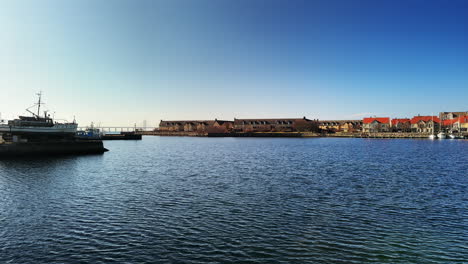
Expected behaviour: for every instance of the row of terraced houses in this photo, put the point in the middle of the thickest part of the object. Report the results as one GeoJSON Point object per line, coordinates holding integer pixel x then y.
{"type": "Point", "coordinates": [241, 125]}
{"type": "Point", "coordinates": [448, 121]}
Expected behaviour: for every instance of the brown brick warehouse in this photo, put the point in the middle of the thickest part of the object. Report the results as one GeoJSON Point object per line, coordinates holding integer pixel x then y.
{"type": "Point", "coordinates": [276, 125]}
{"type": "Point", "coordinates": [196, 126]}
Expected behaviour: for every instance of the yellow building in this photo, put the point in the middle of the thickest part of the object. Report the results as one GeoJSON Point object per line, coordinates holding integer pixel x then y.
{"type": "Point", "coordinates": [345, 126]}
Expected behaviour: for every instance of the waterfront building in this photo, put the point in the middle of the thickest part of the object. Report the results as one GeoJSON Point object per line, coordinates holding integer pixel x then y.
{"type": "Point", "coordinates": [172, 126]}
{"type": "Point", "coordinates": [425, 124]}
{"type": "Point", "coordinates": [221, 126]}
{"type": "Point", "coordinates": [455, 125]}
{"type": "Point", "coordinates": [451, 115]}
{"type": "Point", "coordinates": [275, 125]}
{"type": "Point", "coordinates": [463, 123]}
{"type": "Point", "coordinates": [401, 125]}
{"type": "Point", "coordinates": [201, 126]}
{"type": "Point", "coordinates": [450, 125]}
{"type": "Point", "coordinates": [346, 126]}
{"type": "Point", "coordinates": [376, 124]}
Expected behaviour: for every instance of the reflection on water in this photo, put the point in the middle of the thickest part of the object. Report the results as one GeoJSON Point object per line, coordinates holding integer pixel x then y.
{"type": "Point", "coordinates": [231, 200]}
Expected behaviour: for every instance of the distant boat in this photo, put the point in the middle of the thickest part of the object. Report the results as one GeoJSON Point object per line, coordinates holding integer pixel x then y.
{"type": "Point", "coordinates": [452, 136]}
{"type": "Point", "coordinates": [432, 136]}
{"type": "Point", "coordinates": [89, 133]}
{"type": "Point", "coordinates": [441, 135]}
{"type": "Point", "coordinates": [459, 136]}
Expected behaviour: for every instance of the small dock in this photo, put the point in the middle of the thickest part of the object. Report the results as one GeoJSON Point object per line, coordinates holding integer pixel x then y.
{"type": "Point", "coordinates": [114, 133]}
{"type": "Point", "coordinates": [122, 136]}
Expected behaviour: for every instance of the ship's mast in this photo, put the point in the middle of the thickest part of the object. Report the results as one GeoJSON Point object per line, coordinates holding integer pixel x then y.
{"type": "Point", "coordinates": [39, 104]}
{"type": "Point", "coordinates": [459, 126]}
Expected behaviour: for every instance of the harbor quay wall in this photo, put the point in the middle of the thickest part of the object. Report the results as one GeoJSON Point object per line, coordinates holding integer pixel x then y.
{"type": "Point", "coordinates": [172, 134]}
{"type": "Point", "coordinates": [266, 134]}
{"type": "Point", "coordinates": [292, 134]}
{"type": "Point", "coordinates": [311, 134]}
{"type": "Point", "coordinates": [231, 134]}
{"type": "Point", "coordinates": [380, 135]}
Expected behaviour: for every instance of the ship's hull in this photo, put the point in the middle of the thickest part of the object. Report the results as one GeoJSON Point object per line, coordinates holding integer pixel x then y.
{"type": "Point", "coordinates": [56, 129]}
{"type": "Point", "coordinates": [77, 147]}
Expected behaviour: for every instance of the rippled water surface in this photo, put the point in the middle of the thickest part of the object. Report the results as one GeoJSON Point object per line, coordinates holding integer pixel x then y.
{"type": "Point", "coordinates": [240, 200]}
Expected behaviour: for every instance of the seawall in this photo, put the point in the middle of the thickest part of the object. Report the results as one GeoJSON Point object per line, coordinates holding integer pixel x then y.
{"type": "Point", "coordinates": [266, 134]}
{"type": "Point", "coordinates": [173, 134]}
{"type": "Point", "coordinates": [379, 135]}
{"type": "Point", "coordinates": [290, 134]}
{"type": "Point", "coordinates": [262, 134]}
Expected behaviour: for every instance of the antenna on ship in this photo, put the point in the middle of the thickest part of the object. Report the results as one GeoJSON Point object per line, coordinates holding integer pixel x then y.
{"type": "Point", "coordinates": [39, 103]}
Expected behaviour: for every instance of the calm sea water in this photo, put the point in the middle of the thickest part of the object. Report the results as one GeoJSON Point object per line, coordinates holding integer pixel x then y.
{"type": "Point", "coordinates": [240, 200]}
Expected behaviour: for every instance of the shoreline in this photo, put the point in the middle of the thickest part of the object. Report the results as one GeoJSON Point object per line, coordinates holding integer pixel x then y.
{"type": "Point", "coordinates": [294, 135]}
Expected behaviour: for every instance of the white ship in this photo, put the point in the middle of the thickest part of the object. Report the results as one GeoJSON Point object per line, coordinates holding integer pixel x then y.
{"type": "Point", "coordinates": [37, 124]}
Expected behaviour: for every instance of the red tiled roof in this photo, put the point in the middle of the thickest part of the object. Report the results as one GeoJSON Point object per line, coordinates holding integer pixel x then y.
{"type": "Point", "coordinates": [449, 122]}
{"type": "Point", "coordinates": [417, 119]}
{"type": "Point", "coordinates": [384, 120]}
{"type": "Point", "coordinates": [400, 120]}
{"type": "Point", "coordinates": [461, 119]}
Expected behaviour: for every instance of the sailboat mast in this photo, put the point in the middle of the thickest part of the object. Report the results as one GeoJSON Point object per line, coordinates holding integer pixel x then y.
{"type": "Point", "coordinates": [433, 125]}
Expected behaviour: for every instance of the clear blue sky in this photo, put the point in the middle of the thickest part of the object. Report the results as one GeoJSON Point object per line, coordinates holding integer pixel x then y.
{"type": "Point", "coordinates": [121, 62]}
